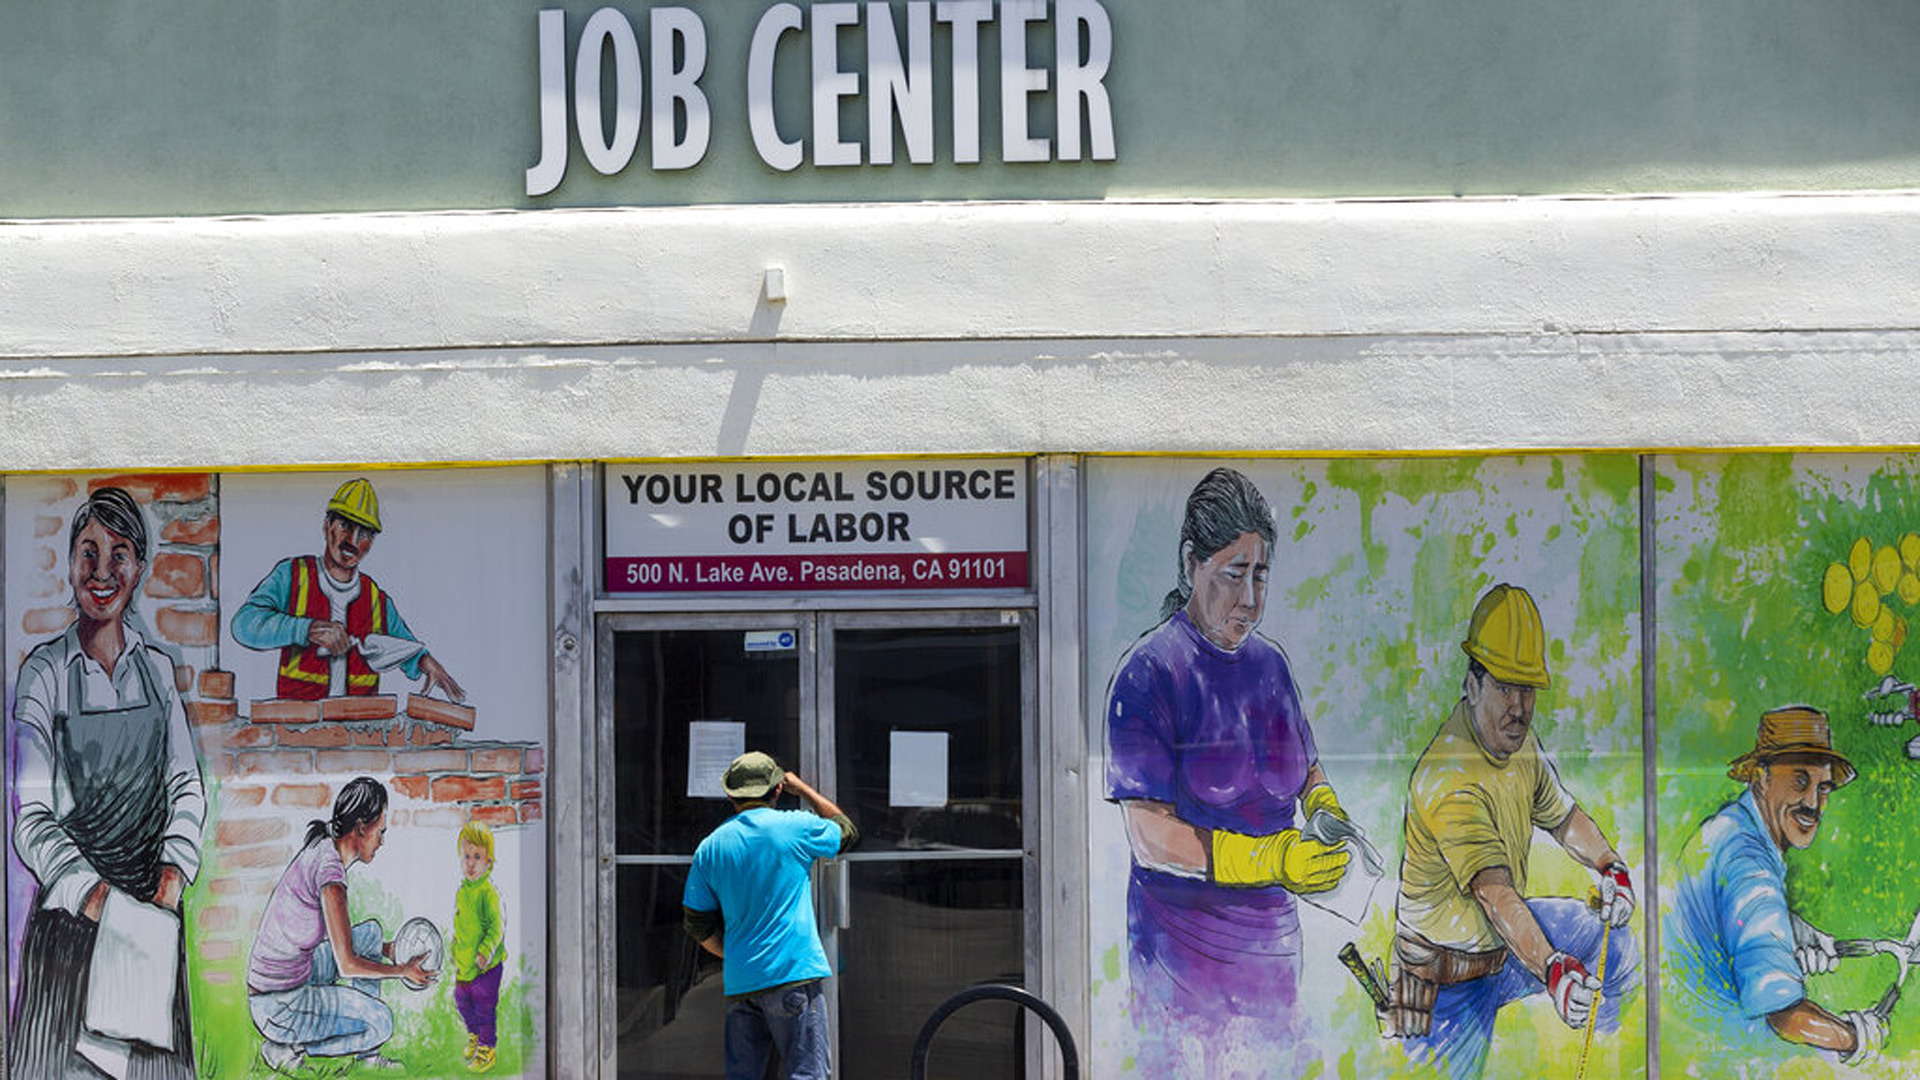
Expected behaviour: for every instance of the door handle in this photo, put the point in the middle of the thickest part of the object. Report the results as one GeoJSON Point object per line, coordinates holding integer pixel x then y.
{"type": "Point", "coordinates": [842, 895]}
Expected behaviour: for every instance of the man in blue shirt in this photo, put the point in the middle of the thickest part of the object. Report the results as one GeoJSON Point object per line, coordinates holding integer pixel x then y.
{"type": "Point", "coordinates": [1740, 955]}
{"type": "Point", "coordinates": [749, 901]}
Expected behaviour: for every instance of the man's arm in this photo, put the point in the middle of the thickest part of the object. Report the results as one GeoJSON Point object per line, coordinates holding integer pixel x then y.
{"type": "Point", "coordinates": [424, 664]}
{"type": "Point", "coordinates": [1585, 842]}
{"type": "Point", "coordinates": [824, 807]}
{"type": "Point", "coordinates": [1810, 1025]}
{"type": "Point", "coordinates": [704, 927]}
{"type": "Point", "coordinates": [262, 622]}
{"type": "Point", "coordinates": [1493, 890]}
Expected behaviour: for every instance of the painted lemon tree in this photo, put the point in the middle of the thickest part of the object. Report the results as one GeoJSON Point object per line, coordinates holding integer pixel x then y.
{"type": "Point", "coordinates": [1787, 780]}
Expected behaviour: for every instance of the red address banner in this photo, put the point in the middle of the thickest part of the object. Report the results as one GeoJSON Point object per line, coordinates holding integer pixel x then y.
{"type": "Point", "coordinates": [755, 573]}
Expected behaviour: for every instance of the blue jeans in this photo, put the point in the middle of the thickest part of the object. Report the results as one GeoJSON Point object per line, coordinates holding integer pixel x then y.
{"type": "Point", "coordinates": [1463, 1014]}
{"type": "Point", "coordinates": [326, 1018]}
{"type": "Point", "coordinates": [792, 1019]}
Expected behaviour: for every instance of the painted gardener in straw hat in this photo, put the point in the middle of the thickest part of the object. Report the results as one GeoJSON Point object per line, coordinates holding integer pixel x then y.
{"type": "Point", "coordinates": [1740, 956]}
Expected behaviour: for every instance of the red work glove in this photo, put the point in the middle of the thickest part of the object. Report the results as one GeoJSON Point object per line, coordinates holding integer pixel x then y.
{"type": "Point", "coordinates": [1571, 989]}
{"type": "Point", "coordinates": [1616, 895]}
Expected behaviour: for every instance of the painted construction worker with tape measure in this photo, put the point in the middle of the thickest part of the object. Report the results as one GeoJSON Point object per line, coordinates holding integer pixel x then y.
{"type": "Point", "coordinates": [1467, 939]}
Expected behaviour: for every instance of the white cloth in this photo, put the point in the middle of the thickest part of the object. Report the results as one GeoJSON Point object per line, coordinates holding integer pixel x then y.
{"type": "Point", "coordinates": [338, 597]}
{"type": "Point", "coordinates": [46, 793]}
{"type": "Point", "coordinates": [132, 979]}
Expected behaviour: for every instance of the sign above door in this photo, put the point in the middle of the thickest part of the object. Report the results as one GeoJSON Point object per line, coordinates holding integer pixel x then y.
{"type": "Point", "coordinates": [800, 526]}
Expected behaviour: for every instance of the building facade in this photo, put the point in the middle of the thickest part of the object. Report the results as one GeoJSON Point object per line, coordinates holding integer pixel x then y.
{"type": "Point", "coordinates": [695, 416]}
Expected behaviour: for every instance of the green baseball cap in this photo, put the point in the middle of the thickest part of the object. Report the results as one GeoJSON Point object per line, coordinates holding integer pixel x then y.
{"type": "Point", "coordinates": [752, 775]}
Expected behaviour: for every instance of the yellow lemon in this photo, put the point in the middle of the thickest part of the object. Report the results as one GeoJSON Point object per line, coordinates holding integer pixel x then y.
{"type": "Point", "coordinates": [1909, 588]}
{"type": "Point", "coordinates": [1866, 604]}
{"type": "Point", "coordinates": [1837, 588]}
{"type": "Point", "coordinates": [1886, 569]}
{"type": "Point", "coordinates": [1910, 550]}
{"type": "Point", "coordinates": [1880, 657]}
{"type": "Point", "coordinates": [1883, 625]}
{"type": "Point", "coordinates": [1860, 558]}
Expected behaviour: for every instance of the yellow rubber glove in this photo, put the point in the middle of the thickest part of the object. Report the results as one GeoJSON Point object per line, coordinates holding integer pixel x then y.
{"type": "Point", "coordinates": [1285, 858]}
{"type": "Point", "coordinates": [1321, 797]}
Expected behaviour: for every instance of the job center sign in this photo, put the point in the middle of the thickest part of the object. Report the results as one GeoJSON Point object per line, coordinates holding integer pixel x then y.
{"type": "Point", "coordinates": [801, 526]}
{"type": "Point", "coordinates": [661, 89]}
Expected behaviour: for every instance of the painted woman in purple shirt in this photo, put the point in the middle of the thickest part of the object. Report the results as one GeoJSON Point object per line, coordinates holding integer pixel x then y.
{"type": "Point", "coordinates": [1214, 767]}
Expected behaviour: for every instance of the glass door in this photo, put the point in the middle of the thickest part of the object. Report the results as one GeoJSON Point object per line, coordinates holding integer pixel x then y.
{"type": "Point", "coordinates": [930, 759]}
{"type": "Point", "coordinates": [916, 724]}
{"type": "Point", "coordinates": [683, 694]}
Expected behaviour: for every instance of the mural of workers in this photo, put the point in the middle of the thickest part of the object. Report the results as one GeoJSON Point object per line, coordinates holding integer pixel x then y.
{"type": "Point", "coordinates": [335, 628]}
{"type": "Point", "coordinates": [1214, 765]}
{"type": "Point", "coordinates": [108, 821]}
{"type": "Point", "coordinates": [1742, 954]}
{"type": "Point", "coordinates": [1467, 938]}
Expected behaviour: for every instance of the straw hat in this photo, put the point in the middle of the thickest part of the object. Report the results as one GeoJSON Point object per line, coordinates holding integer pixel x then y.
{"type": "Point", "coordinates": [1797, 730]}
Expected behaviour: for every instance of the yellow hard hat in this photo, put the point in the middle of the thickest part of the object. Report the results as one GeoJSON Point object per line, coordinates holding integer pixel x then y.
{"type": "Point", "coordinates": [356, 502]}
{"type": "Point", "coordinates": [1506, 636]}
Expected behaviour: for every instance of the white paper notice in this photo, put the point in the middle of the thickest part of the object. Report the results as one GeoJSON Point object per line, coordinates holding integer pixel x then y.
{"type": "Point", "coordinates": [711, 747]}
{"type": "Point", "coordinates": [917, 775]}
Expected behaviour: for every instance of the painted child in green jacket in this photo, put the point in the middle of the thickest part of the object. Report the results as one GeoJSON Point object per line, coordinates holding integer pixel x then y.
{"type": "Point", "coordinates": [479, 944]}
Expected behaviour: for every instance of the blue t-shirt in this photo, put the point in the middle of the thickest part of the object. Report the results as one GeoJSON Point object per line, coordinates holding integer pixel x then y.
{"type": "Point", "coordinates": [1732, 939]}
{"type": "Point", "coordinates": [753, 869]}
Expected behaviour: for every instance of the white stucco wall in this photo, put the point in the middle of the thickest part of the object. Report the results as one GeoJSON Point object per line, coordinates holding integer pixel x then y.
{"type": "Point", "coordinates": [1295, 326]}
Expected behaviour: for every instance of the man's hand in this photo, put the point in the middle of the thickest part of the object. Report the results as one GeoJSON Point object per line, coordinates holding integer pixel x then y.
{"type": "Point", "coordinates": [330, 637]}
{"type": "Point", "coordinates": [1869, 1031]}
{"type": "Point", "coordinates": [1573, 990]}
{"type": "Point", "coordinates": [172, 884]}
{"type": "Point", "coordinates": [1812, 947]}
{"type": "Point", "coordinates": [437, 676]}
{"type": "Point", "coordinates": [1616, 895]}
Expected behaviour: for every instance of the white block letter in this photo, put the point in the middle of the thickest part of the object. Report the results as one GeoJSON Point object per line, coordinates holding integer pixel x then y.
{"type": "Point", "coordinates": [1076, 82]}
{"type": "Point", "coordinates": [607, 156]}
{"type": "Point", "coordinates": [830, 84]}
{"type": "Point", "coordinates": [1018, 81]}
{"type": "Point", "coordinates": [679, 87]}
{"type": "Point", "coordinates": [894, 89]}
{"type": "Point", "coordinates": [552, 167]}
{"type": "Point", "coordinates": [967, 17]}
{"type": "Point", "coordinates": [775, 151]}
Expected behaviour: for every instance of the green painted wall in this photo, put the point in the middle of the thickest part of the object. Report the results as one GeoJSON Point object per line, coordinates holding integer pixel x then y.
{"type": "Point", "coordinates": [275, 106]}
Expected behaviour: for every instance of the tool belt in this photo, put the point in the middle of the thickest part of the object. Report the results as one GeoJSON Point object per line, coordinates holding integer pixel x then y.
{"type": "Point", "coordinates": [1420, 969]}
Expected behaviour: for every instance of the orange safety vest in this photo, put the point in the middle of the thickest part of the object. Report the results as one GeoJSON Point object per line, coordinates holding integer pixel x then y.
{"type": "Point", "coordinates": [304, 673]}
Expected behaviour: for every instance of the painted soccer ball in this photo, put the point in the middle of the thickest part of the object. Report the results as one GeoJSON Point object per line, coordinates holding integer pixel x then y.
{"type": "Point", "coordinates": [419, 937]}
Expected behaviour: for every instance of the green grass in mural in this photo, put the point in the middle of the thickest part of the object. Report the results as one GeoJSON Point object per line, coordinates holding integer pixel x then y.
{"type": "Point", "coordinates": [1745, 542]}
{"type": "Point", "coordinates": [428, 1035]}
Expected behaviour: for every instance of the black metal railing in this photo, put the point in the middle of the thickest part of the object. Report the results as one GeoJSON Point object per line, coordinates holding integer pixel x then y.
{"type": "Point", "coordinates": [1070, 1057]}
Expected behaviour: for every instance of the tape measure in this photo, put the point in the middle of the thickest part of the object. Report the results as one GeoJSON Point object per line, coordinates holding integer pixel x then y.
{"type": "Point", "coordinates": [1600, 975]}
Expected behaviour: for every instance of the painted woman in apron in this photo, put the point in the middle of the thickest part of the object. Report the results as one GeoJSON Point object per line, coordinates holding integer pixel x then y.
{"type": "Point", "coordinates": [108, 819]}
